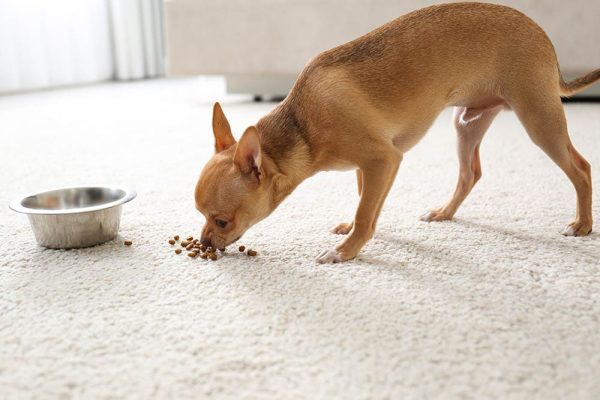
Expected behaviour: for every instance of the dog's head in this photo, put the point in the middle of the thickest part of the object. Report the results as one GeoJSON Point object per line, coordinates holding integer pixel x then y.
{"type": "Point", "coordinates": [234, 190]}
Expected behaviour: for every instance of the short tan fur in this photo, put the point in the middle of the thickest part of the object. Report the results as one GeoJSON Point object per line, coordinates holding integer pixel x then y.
{"type": "Point", "coordinates": [363, 104]}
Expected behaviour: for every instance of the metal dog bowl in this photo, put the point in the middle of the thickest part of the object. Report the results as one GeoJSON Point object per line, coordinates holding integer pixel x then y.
{"type": "Point", "coordinates": [74, 217]}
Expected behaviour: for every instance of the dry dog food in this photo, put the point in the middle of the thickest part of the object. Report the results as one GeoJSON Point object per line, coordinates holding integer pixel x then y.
{"type": "Point", "coordinates": [195, 248]}
{"type": "Point", "coordinates": [128, 243]}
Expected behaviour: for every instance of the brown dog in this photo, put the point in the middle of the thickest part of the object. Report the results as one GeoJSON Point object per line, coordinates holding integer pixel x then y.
{"type": "Point", "coordinates": [363, 104]}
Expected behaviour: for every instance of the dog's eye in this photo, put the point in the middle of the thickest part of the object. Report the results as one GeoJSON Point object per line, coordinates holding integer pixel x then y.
{"type": "Point", "coordinates": [221, 223]}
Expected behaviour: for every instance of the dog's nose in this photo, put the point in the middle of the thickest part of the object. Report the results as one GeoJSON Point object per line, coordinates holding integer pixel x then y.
{"type": "Point", "coordinates": [205, 241]}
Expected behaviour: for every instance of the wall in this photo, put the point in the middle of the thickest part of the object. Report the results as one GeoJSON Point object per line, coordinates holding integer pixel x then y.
{"type": "Point", "coordinates": [279, 36]}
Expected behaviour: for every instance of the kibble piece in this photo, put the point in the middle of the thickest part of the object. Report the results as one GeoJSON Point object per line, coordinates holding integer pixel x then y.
{"type": "Point", "coordinates": [171, 242]}
{"type": "Point", "coordinates": [242, 248]}
{"type": "Point", "coordinates": [203, 256]}
{"type": "Point", "coordinates": [176, 237]}
{"type": "Point", "coordinates": [251, 253]}
{"type": "Point", "coordinates": [209, 249]}
{"type": "Point", "coordinates": [190, 238]}
{"type": "Point", "coordinates": [177, 251]}
{"type": "Point", "coordinates": [192, 254]}
{"type": "Point", "coordinates": [202, 247]}
{"type": "Point", "coordinates": [213, 256]}
{"type": "Point", "coordinates": [184, 243]}
{"type": "Point", "coordinates": [128, 243]}
{"type": "Point", "coordinates": [189, 247]}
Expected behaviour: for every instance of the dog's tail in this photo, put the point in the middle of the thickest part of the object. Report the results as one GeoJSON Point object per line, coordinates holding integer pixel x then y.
{"type": "Point", "coordinates": [578, 84]}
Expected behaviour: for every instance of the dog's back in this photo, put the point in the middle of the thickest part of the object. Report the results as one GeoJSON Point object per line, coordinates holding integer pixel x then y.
{"type": "Point", "coordinates": [448, 48]}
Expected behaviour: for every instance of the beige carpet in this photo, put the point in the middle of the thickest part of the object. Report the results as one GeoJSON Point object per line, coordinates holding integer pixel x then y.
{"type": "Point", "coordinates": [495, 304]}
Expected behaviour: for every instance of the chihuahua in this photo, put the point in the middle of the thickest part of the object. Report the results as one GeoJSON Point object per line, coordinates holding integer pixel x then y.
{"type": "Point", "coordinates": [363, 104]}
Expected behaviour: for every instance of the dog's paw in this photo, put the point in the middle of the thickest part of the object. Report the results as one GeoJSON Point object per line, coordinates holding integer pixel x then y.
{"type": "Point", "coordinates": [342, 229]}
{"type": "Point", "coordinates": [329, 257]}
{"type": "Point", "coordinates": [576, 229]}
{"type": "Point", "coordinates": [435, 215]}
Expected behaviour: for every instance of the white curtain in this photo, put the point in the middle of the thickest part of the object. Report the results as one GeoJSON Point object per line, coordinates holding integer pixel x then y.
{"type": "Point", "coordinates": [49, 43]}
{"type": "Point", "coordinates": [137, 32]}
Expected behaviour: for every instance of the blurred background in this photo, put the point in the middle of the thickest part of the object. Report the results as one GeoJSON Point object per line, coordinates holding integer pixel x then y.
{"type": "Point", "coordinates": [259, 47]}
{"type": "Point", "coordinates": [48, 44]}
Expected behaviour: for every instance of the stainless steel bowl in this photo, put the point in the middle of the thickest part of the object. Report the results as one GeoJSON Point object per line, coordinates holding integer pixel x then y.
{"type": "Point", "coordinates": [74, 217]}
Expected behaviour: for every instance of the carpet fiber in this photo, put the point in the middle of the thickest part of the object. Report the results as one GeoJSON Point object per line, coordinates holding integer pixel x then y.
{"type": "Point", "coordinates": [495, 304]}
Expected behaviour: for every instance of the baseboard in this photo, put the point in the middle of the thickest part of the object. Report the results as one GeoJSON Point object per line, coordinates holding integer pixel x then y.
{"type": "Point", "coordinates": [279, 85]}
{"type": "Point", "coordinates": [581, 99]}
{"type": "Point", "coordinates": [275, 85]}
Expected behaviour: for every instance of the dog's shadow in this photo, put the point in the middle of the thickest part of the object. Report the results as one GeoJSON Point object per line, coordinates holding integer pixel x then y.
{"type": "Point", "coordinates": [311, 292]}
{"type": "Point", "coordinates": [586, 245]}
{"type": "Point", "coordinates": [442, 270]}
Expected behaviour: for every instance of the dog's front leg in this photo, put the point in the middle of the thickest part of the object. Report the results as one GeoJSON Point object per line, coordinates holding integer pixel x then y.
{"type": "Point", "coordinates": [377, 178]}
{"type": "Point", "coordinates": [344, 228]}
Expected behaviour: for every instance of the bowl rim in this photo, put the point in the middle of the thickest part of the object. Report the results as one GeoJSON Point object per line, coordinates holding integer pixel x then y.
{"type": "Point", "coordinates": [16, 205]}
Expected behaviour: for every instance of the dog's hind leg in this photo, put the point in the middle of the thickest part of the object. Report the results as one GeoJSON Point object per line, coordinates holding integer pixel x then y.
{"type": "Point", "coordinates": [345, 227]}
{"type": "Point", "coordinates": [471, 124]}
{"type": "Point", "coordinates": [543, 117]}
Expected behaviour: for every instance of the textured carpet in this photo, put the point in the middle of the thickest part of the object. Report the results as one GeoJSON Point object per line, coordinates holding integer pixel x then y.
{"type": "Point", "coordinates": [495, 304]}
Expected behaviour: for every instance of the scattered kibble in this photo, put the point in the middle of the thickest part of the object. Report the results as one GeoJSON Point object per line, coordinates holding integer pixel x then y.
{"type": "Point", "coordinates": [195, 248]}
{"type": "Point", "coordinates": [128, 243]}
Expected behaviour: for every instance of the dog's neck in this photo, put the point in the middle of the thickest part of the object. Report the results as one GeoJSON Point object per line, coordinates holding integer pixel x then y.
{"type": "Point", "coordinates": [285, 149]}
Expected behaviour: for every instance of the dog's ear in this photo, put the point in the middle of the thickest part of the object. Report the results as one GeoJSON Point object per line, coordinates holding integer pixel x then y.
{"type": "Point", "coordinates": [248, 154]}
{"type": "Point", "coordinates": [221, 129]}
